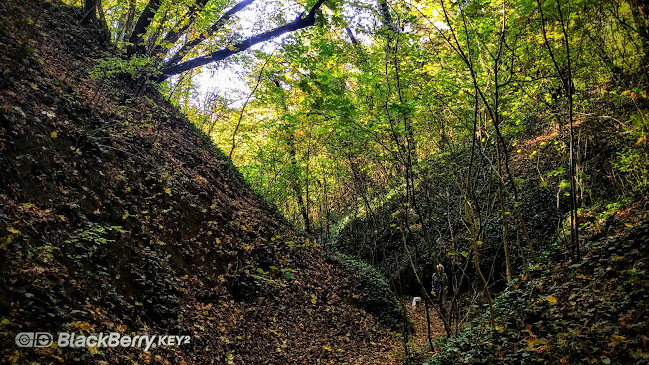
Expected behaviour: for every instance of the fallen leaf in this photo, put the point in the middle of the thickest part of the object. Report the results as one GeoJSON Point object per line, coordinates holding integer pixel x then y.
{"type": "Point", "coordinates": [616, 340]}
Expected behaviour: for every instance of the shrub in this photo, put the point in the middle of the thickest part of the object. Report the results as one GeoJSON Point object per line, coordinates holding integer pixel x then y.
{"type": "Point", "coordinates": [375, 295]}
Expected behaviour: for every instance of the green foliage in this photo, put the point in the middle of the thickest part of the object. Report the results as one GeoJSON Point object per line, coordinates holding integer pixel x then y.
{"type": "Point", "coordinates": [374, 293]}
{"type": "Point", "coordinates": [634, 161]}
{"type": "Point", "coordinates": [86, 242]}
{"type": "Point", "coordinates": [276, 277]}
{"type": "Point", "coordinates": [564, 311]}
{"type": "Point", "coordinates": [136, 68]}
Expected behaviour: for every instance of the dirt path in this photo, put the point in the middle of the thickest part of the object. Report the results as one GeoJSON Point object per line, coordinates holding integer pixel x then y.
{"type": "Point", "coordinates": [418, 317]}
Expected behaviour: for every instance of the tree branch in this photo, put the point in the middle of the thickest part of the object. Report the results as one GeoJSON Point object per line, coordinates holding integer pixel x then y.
{"type": "Point", "coordinates": [187, 47]}
{"type": "Point", "coordinates": [173, 35]}
{"type": "Point", "coordinates": [299, 23]}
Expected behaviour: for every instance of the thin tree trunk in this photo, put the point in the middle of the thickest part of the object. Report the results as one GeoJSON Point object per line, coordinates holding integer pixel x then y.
{"type": "Point", "coordinates": [128, 27]}
{"type": "Point", "coordinates": [569, 92]}
{"type": "Point", "coordinates": [295, 183]}
{"type": "Point", "coordinates": [566, 81]}
{"type": "Point", "coordinates": [102, 22]}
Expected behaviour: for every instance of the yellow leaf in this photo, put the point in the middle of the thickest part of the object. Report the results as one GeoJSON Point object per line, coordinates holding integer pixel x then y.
{"type": "Point", "coordinates": [616, 340]}
{"type": "Point", "coordinates": [313, 299]}
{"type": "Point", "coordinates": [231, 47]}
{"type": "Point", "coordinates": [14, 357]}
{"type": "Point", "coordinates": [552, 300]}
{"type": "Point", "coordinates": [327, 347]}
{"type": "Point", "coordinates": [121, 327]}
{"type": "Point", "coordinates": [168, 191]}
{"type": "Point", "coordinates": [81, 325]}
{"type": "Point", "coordinates": [14, 231]}
{"type": "Point", "coordinates": [53, 134]}
{"type": "Point", "coordinates": [5, 244]}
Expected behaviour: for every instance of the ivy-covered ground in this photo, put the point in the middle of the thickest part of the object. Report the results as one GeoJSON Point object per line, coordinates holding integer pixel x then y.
{"type": "Point", "coordinates": [593, 311]}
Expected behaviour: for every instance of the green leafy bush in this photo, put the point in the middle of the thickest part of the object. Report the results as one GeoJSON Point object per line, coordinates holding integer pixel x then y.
{"type": "Point", "coordinates": [634, 162]}
{"type": "Point", "coordinates": [135, 67]}
{"type": "Point", "coordinates": [374, 293]}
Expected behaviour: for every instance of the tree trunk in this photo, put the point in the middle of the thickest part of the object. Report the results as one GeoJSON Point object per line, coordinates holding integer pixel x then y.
{"type": "Point", "coordinates": [90, 9]}
{"type": "Point", "coordinates": [136, 46]}
{"type": "Point", "coordinates": [295, 183]}
{"type": "Point", "coordinates": [128, 27]}
{"type": "Point", "coordinates": [174, 33]}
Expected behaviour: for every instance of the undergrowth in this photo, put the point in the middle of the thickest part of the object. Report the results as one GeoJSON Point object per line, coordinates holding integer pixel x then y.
{"type": "Point", "coordinates": [373, 292]}
{"type": "Point", "coordinates": [592, 311]}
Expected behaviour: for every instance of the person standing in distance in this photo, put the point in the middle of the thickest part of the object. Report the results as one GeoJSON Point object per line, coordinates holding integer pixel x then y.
{"type": "Point", "coordinates": [440, 286]}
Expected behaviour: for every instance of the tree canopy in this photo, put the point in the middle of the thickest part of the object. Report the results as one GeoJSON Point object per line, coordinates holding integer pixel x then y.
{"type": "Point", "coordinates": [180, 36]}
{"type": "Point", "coordinates": [411, 133]}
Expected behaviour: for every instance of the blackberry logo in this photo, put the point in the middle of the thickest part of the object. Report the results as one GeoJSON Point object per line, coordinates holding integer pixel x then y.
{"type": "Point", "coordinates": [34, 339]}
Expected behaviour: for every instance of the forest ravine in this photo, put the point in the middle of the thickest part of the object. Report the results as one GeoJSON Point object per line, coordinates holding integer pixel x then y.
{"type": "Point", "coordinates": [305, 212]}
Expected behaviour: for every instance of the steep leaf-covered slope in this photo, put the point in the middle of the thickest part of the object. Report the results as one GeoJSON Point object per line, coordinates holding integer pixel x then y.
{"type": "Point", "coordinates": [593, 311]}
{"type": "Point", "coordinates": [117, 216]}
